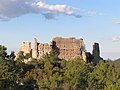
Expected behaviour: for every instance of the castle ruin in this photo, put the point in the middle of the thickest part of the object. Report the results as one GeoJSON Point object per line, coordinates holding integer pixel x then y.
{"type": "Point", "coordinates": [96, 53]}
{"type": "Point", "coordinates": [67, 48]}
{"type": "Point", "coordinates": [25, 47]}
{"type": "Point", "coordinates": [40, 49]}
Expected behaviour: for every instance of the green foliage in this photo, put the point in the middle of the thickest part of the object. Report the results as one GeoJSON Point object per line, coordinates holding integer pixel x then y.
{"type": "Point", "coordinates": [75, 75]}
{"type": "Point", "coordinates": [9, 71]}
{"type": "Point", "coordinates": [12, 55]}
{"type": "Point", "coordinates": [9, 75]}
{"type": "Point", "coordinates": [27, 56]}
{"type": "Point", "coordinates": [51, 73]}
{"type": "Point", "coordinates": [117, 63]}
{"type": "Point", "coordinates": [20, 57]}
{"type": "Point", "coordinates": [3, 52]}
{"type": "Point", "coordinates": [103, 77]}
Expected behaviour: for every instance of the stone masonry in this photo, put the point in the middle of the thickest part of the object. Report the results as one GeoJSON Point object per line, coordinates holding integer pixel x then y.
{"type": "Point", "coordinates": [67, 48]}
{"type": "Point", "coordinates": [96, 53]}
{"type": "Point", "coordinates": [40, 49]}
{"type": "Point", "coordinates": [25, 47]}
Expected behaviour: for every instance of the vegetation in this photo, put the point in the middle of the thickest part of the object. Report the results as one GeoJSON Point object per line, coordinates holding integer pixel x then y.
{"type": "Point", "coordinates": [117, 63]}
{"type": "Point", "coordinates": [51, 73]}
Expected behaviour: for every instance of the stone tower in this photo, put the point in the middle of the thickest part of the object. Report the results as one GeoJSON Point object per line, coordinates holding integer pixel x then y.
{"type": "Point", "coordinates": [68, 48]}
{"type": "Point", "coordinates": [25, 47]}
{"type": "Point", "coordinates": [96, 53]}
{"type": "Point", "coordinates": [83, 50]}
{"type": "Point", "coordinates": [35, 49]}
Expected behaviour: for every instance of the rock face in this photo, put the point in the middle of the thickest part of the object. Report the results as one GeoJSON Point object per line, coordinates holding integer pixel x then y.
{"type": "Point", "coordinates": [96, 53]}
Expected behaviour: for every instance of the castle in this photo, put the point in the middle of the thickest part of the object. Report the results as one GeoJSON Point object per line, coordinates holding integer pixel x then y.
{"type": "Point", "coordinates": [67, 48]}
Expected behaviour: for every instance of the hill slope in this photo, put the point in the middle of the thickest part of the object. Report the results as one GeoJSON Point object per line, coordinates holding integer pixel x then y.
{"type": "Point", "coordinates": [117, 63]}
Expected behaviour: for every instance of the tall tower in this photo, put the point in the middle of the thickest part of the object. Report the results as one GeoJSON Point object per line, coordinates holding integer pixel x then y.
{"type": "Point", "coordinates": [35, 49]}
{"type": "Point", "coordinates": [96, 53]}
{"type": "Point", "coordinates": [83, 50]}
{"type": "Point", "coordinates": [25, 47]}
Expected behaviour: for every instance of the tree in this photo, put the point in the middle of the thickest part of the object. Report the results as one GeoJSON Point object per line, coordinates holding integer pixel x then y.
{"type": "Point", "coordinates": [27, 56]}
{"type": "Point", "coordinates": [12, 55]}
{"type": "Point", "coordinates": [20, 57]}
{"type": "Point", "coordinates": [75, 76]}
{"type": "Point", "coordinates": [3, 52]}
{"type": "Point", "coordinates": [103, 77]}
{"type": "Point", "coordinates": [9, 75]}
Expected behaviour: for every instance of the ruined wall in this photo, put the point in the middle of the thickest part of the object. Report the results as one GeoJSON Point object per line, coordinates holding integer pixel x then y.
{"type": "Point", "coordinates": [68, 48]}
{"type": "Point", "coordinates": [35, 49]}
{"type": "Point", "coordinates": [40, 49]}
{"type": "Point", "coordinates": [25, 47]}
{"type": "Point", "coordinates": [43, 49]}
{"type": "Point", "coordinates": [96, 53]}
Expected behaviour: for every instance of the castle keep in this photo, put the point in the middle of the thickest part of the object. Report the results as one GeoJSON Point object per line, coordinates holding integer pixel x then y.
{"type": "Point", "coordinates": [67, 48]}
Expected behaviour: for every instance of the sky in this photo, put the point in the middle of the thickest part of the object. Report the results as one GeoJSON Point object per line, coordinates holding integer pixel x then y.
{"type": "Point", "coordinates": [92, 20]}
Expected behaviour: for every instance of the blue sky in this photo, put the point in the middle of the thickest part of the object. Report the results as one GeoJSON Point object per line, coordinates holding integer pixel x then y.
{"type": "Point", "coordinates": [99, 21]}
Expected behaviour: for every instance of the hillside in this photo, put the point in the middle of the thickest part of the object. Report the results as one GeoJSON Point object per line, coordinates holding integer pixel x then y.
{"type": "Point", "coordinates": [117, 63]}
{"type": "Point", "coordinates": [52, 73]}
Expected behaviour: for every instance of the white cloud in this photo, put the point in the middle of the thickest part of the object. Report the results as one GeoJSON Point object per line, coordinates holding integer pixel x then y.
{"type": "Point", "coordinates": [116, 21]}
{"type": "Point", "coordinates": [116, 38]}
{"type": "Point", "coordinates": [14, 8]}
{"type": "Point", "coordinates": [56, 8]}
{"type": "Point", "coordinates": [92, 13]}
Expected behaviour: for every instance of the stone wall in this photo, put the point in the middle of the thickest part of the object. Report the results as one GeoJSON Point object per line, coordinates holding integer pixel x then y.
{"type": "Point", "coordinates": [43, 49]}
{"type": "Point", "coordinates": [40, 49]}
{"type": "Point", "coordinates": [68, 48]}
{"type": "Point", "coordinates": [35, 49]}
{"type": "Point", "coordinates": [96, 53]}
{"type": "Point", "coordinates": [25, 47]}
